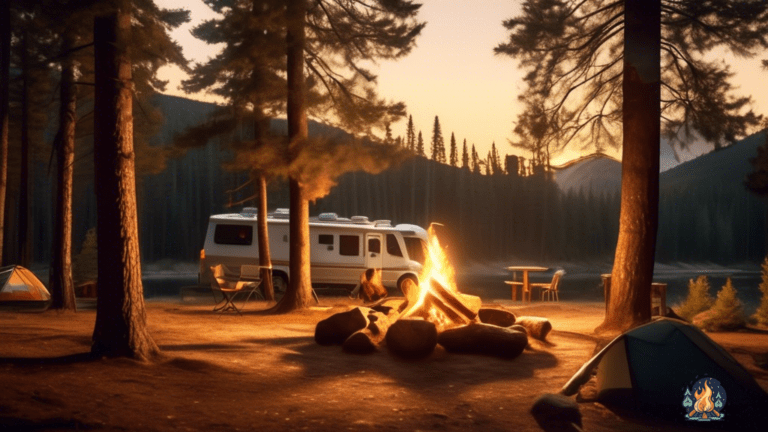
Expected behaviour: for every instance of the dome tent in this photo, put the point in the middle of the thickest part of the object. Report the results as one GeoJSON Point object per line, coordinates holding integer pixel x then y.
{"type": "Point", "coordinates": [20, 287]}
{"type": "Point", "coordinates": [650, 369]}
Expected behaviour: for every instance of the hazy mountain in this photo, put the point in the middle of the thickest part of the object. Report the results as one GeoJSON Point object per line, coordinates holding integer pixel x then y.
{"type": "Point", "coordinates": [598, 172]}
{"type": "Point", "coordinates": [602, 173]}
{"type": "Point", "coordinates": [727, 166]}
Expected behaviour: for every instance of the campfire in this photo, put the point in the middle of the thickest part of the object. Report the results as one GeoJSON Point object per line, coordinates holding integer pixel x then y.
{"type": "Point", "coordinates": [432, 312]}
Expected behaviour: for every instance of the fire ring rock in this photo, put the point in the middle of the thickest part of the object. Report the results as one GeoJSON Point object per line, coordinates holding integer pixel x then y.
{"type": "Point", "coordinates": [412, 338]}
{"type": "Point", "coordinates": [538, 327]}
{"type": "Point", "coordinates": [499, 317]}
{"type": "Point", "coordinates": [483, 338]}
{"type": "Point", "coordinates": [335, 329]}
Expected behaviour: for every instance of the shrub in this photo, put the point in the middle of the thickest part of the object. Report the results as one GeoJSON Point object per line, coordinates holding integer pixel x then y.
{"type": "Point", "coordinates": [727, 313]}
{"type": "Point", "coordinates": [698, 299]}
{"type": "Point", "coordinates": [762, 312]}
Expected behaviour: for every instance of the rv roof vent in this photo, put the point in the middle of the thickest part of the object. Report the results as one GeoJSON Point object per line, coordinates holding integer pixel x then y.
{"type": "Point", "coordinates": [249, 211]}
{"type": "Point", "coordinates": [327, 216]}
{"type": "Point", "coordinates": [360, 219]}
{"type": "Point", "coordinates": [281, 213]}
{"type": "Point", "coordinates": [383, 223]}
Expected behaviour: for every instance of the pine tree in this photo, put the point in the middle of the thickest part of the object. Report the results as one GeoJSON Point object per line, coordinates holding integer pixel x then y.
{"type": "Point", "coordinates": [388, 134]}
{"type": "Point", "coordinates": [475, 161]}
{"type": "Point", "coordinates": [121, 328]}
{"type": "Point", "coordinates": [332, 40]}
{"type": "Point", "coordinates": [762, 311]}
{"type": "Point", "coordinates": [564, 45]}
{"type": "Point", "coordinates": [420, 146]}
{"type": "Point", "coordinates": [698, 299]}
{"type": "Point", "coordinates": [727, 312]}
{"type": "Point", "coordinates": [437, 143]}
{"type": "Point", "coordinates": [454, 160]}
{"type": "Point", "coordinates": [410, 135]}
{"type": "Point", "coordinates": [464, 155]}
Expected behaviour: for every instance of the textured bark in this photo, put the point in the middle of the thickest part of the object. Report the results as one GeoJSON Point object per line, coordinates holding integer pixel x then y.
{"type": "Point", "coordinates": [121, 328]}
{"type": "Point", "coordinates": [61, 285]}
{"type": "Point", "coordinates": [299, 293]}
{"type": "Point", "coordinates": [5, 61]}
{"type": "Point", "coordinates": [629, 302]}
{"type": "Point", "coordinates": [22, 257]}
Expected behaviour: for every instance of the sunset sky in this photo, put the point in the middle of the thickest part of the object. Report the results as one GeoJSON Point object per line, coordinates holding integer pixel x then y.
{"type": "Point", "coordinates": [453, 74]}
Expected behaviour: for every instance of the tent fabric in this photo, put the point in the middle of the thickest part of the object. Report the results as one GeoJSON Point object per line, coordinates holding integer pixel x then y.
{"type": "Point", "coordinates": [17, 284]}
{"type": "Point", "coordinates": [650, 367]}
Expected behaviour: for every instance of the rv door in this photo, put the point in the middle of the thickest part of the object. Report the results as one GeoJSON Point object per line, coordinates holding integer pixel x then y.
{"type": "Point", "coordinates": [373, 256]}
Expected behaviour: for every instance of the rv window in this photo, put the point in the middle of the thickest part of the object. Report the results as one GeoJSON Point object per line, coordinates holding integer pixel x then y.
{"type": "Point", "coordinates": [349, 245]}
{"type": "Point", "coordinates": [233, 235]}
{"type": "Point", "coordinates": [393, 247]}
{"type": "Point", "coordinates": [415, 247]}
{"type": "Point", "coordinates": [374, 245]}
{"type": "Point", "coordinates": [325, 239]}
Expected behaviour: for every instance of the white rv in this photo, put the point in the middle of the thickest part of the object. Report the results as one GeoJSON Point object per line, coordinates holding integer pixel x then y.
{"type": "Point", "coordinates": [341, 248]}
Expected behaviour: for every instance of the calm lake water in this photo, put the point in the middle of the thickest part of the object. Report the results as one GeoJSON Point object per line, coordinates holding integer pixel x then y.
{"type": "Point", "coordinates": [574, 287]}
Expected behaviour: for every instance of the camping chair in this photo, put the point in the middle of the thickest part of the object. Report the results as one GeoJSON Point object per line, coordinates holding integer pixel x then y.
{"type": "Point", "coordinates": [230, 287]}
{"type": "Point", "coordinates": [550, 289]}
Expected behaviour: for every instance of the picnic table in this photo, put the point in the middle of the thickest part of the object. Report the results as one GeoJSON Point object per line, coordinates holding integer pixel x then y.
{"type": "Point", "coordinates": [526, 283]}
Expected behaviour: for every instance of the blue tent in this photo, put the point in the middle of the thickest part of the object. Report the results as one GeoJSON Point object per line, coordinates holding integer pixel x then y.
{"type": "Point", "coordinates": [653, 368]}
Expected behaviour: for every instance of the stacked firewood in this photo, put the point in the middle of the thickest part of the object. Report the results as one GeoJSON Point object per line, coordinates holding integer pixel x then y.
{"type": "Point", "coordinates": [456, 321]}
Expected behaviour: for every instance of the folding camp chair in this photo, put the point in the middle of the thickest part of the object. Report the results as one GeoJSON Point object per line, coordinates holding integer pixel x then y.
{"type": "Point", "coordinates": [550, 289]}
{"type": "Point", "coordinates": [231, 287]}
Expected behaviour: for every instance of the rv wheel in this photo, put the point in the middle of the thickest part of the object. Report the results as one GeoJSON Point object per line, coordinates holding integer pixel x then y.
{"type": "Point", "coordinates": [280, 283]}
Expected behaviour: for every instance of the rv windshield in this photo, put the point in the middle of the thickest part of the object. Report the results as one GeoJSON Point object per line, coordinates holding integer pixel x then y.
{"type": "Point", "coordinates": [415, 247]}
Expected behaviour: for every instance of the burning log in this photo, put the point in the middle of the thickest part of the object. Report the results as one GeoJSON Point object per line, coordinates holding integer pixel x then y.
{"type": "Point", "coordinates": [412, 338]}
{"type": "Point", "coordinates": [366, 340]}
{"type": "Point", "coordinates": [483, 338]}
{"type": "Point", "coordinates": [466, 306]}
{"type": "Point", "coordinates": [335, 329]}
{"type": "Point", "coordinates": [497, 317]}
{"type": "Point", "coordinates": [537, 327]}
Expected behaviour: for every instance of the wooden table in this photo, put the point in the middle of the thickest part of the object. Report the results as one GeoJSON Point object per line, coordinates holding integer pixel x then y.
{"type": "Point", "coordinates": [526, 283]}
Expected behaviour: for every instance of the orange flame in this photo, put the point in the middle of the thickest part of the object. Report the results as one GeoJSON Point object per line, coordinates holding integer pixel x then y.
{"type": "Point", "coordinates": [437, 267]}
{"type": "Point", "coordinates": [704, 399]}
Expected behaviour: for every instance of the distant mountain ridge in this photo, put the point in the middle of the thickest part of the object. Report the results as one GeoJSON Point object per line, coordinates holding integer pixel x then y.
{"type": "Point", "coordinates": [602, 174]}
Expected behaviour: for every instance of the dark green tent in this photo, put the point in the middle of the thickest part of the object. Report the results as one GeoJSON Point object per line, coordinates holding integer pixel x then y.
{"type": "Point", "coordinates": [652, 368]}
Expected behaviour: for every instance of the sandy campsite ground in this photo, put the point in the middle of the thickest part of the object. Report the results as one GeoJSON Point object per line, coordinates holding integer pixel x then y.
{"type": "Point", "coordinates": [261, 372]}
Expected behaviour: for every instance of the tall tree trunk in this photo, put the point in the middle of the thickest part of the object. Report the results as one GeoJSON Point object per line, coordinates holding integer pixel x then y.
{"type": "Point", "coordinates": [299, 292]}
{"type": "Point", "coordinates": [629, 304]}
{"type": "Point", "coordinates": [5, 63]}
{"type": "Point", "coordinates": [23, 227]}
{"type": "Point", "coordinates": [260, 131]}
{"type": "Point", "coordinates": [121, 328]}
{"type": "Point", "coordinates": [265, 256]}
{"type": "Point", "coordinates": [61, 285]}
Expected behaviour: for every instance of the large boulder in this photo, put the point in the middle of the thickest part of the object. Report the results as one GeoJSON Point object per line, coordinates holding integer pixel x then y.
{"type": "Point", "coordinates": [555, 412]}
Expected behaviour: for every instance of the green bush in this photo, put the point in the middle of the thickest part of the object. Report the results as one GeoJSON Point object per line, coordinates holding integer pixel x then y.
{"type": "Point", "coordinates": [727, 313]}
{"type": "Point", "coordinates": [762, 312]}
{"type": "Point", "coordinates": [698, 299]}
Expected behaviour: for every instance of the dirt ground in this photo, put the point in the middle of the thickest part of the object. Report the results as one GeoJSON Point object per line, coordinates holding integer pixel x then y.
{"type": "Point", "coordinates": [261, 372]}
